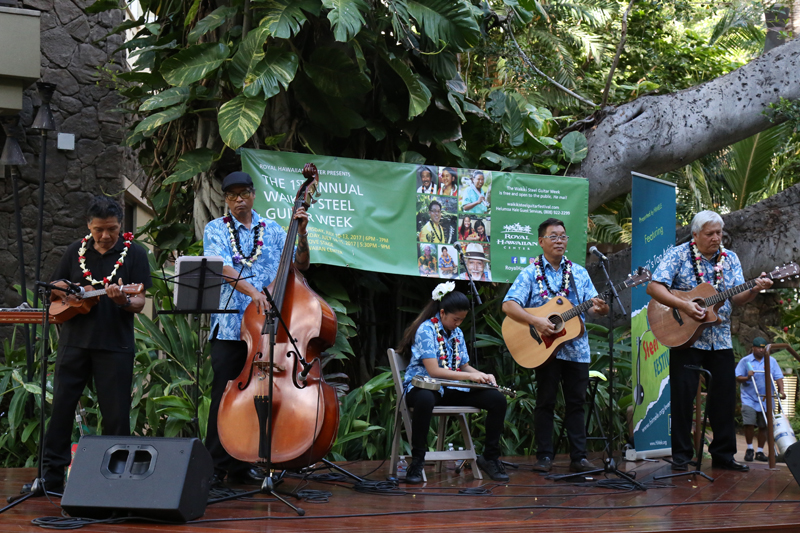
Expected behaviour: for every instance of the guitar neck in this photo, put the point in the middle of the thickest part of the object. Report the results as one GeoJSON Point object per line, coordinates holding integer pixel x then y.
{"type": "Point", "coordinates": [92, 294]}
{"type": "Point", "coordinates": [585, 306]}
{"type": "Point", "coordinates": [724, 295]}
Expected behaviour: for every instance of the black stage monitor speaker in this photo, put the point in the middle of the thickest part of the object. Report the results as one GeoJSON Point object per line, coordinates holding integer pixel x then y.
{"type": "Point", "coordinates": [792, 458]}
{"type": "Point", "coordinates": [161, 478]}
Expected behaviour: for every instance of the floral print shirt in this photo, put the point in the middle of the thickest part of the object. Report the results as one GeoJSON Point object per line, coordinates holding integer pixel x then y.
{"type": "Point", "coordinates": [426, 347]}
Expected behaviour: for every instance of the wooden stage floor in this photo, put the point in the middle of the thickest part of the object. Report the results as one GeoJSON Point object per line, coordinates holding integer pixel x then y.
{"type": "Point", "coordinates": [760, 500]}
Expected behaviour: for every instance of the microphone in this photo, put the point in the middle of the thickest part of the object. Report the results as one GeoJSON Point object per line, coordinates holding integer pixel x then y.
{"type": "Point", "coordinates": [458, 247]}
{"type": "Point", "coordinates": [72, 288]}
{"type": "Point", "coordinates": [598, 253]}
{"type": "Point", "coordinates": [303, 374]}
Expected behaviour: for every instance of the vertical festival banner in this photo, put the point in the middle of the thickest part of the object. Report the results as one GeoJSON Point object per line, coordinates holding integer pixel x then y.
{"type": "Point", "coordinates": [401, 218]}
{"type": "Point", "coordinates": [653, 233]}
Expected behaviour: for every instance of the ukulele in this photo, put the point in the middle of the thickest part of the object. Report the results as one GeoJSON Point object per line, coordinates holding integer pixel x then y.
{"type": "Point", "coordinates": [531, 349]}
{"type": "Point", "coordinates": [66, 307]}
{"type": "Point", "coordinates": [676, 330]}
{"type": "Point", "coordinates": [429, 383]}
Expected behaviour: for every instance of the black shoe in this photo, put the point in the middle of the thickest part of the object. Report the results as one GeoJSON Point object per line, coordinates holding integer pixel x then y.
{"type": "Point", "coordinates": [493, 468]}
{"type": "Point", "coordinates": [543, 464]}
{"type": "Point", "coordinates": [760, 457]}
{"type": "Point", "coordinates": [583, 465]}
{"type": "Point", "coordinates": [414, 472]}
{"type": "Point", "coordinates": [729, 464]}
{"type": "Point", "coordinates": [680, 467]}
{"type": "Point", "coordinates": [748, 455]}
{"type": "Point", "coordinates": [251, 476]}
{"type": "Point", "coordinates": [51, 485]}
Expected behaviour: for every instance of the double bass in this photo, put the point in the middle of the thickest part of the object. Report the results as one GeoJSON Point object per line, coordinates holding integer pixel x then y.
{"type": "Point", "coordinates": [304, 418]}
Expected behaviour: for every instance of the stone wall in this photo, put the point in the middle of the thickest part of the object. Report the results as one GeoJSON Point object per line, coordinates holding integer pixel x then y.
{"type": "Point", "coordinates": [73, 51]}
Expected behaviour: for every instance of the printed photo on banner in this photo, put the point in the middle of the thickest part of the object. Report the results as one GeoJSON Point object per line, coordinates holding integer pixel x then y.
{"type": "Point", "coordinates": [448, 261]}
{"type": "Point", "coordinates": [427, 260]}
{"type": "Point", "coordinates": [477, 257]}
{"type": "Point", "coordinates": [436, 219]}
{"type": "Point", "coordinates": [472, 228]}
{"type": "Point", "coordinates": [448, 181]}
{"type": "Point", "coordinates": [426, 180]}
{"type": "Point", "coordinates": [475, 194]}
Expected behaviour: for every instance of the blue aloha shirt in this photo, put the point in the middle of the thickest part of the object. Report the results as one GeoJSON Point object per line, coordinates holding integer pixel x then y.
{"type": "Point", "coordinates": [426, 347]}
{"type": "Point", "coordinates": [471, 196]}
{"type": "Point", "coordinates": [676, 272]}
{"type": "Point", "coordinates": [525, 291]}
{"type": "Point", "coordinates": [216, 241]}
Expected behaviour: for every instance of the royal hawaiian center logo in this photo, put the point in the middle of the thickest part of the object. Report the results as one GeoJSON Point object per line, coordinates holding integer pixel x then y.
{"type": "Point", "coordinates": [519, 237]}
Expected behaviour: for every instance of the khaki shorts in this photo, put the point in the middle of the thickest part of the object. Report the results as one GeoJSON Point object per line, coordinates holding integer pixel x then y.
{"type": "Point", "coordinates": [750, 417]}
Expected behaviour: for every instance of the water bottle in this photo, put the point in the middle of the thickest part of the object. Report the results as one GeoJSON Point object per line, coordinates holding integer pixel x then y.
{"type": "Point", "coordinates": [402, 466]}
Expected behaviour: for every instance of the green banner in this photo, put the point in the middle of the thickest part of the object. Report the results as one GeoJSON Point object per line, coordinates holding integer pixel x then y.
{"type": "Point", "coordinates": [403, 218]}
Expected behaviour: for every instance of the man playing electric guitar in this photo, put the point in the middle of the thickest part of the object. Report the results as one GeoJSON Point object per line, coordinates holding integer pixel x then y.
{"type": "Point", "coordinates": [98, 344]}
{"type": "Point", "coordinates": [549, 276]}
{"type": "Point", "coordinates": [684, 267]}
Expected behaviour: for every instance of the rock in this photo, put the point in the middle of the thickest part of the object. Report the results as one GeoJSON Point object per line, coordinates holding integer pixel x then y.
{"type": "Point", "coordinates": [41, 5]}
{"type": "Point", "coordinates": [79, 29]}
{"type": "Point", "coordinates": [84, 125]}
{"type": "Point", "coordinates": [70, 105]}
{"type": "Point", "coordinates": [68, 12]}
{"type": "Point", "coordinates": [88, 150]}
{"type": "Point", "coordinates": [58, 46]}
{"type": "Point", "coordinates": [85, 63]}
{"type": "Point", "coordinates": [64, 81]}
{"type": "Point", "coordinates": [110, 164]}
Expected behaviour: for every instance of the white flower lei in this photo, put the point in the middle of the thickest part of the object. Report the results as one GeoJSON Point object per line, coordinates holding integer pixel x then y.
{"type": "Point", "coordinates": [442, 289]}
{"type": "Point", "coordinates": [699, 274]}
{"type": "Point", "coordinates": [87, 274]}
{"type": "Point", "coordinates": [442, 353]}
{"type": "Point", "coordinates": [539, 272]}
{"type": "Point", "coordinates": [258, 244]}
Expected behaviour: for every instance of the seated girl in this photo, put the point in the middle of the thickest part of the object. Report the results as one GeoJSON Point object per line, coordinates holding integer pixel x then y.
{"type": "Point", "coordinates": [437, 349]}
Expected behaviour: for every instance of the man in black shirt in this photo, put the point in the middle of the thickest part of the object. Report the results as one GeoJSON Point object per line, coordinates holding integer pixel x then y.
{"type": "Point", "coordinates": [100, 343]}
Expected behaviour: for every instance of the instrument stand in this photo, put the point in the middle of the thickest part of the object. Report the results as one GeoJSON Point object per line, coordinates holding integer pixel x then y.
{"type": "Point", "coordinates": [699, 451]}
{"type": "Point", "coordinates": [202, 271]}
{"type": "Point", "coordinates": [333, 466]}
{"type": "Point", "coordinates": [609, 465]}
{"type": "Point", "coordinates": [38, 485]}
{"type": "Point", "coordinates": [475, 297]}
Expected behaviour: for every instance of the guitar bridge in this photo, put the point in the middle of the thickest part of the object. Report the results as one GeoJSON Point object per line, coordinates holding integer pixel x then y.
{"type": "Point", "coordinates": [535, 334]}
{"type": "Point", "coordinates": [677, 316]}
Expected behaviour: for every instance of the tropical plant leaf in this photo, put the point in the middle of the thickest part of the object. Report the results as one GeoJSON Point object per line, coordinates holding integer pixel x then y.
{"type": "Point", "coordinates": [284, 18]}
{"type": "Point", "coordinates": [512, 123]}
{"type": "Point", "coordinates": [575, 146]}
{"type": "Point", "coordinates": [102, 5]}
{"type": "Point", "coordinates": [497, 159]}
{"type": "Point", "coordinates": [335, 74]}
{"type": "Point", "coordinates": [251, 52]}
{"type": "Point", "coordinates": [194, 63]}
{"type": "Point", "coordinates": [419, 97]}
{"type": "Point", "coordinates": [346, 17]}
{"type": "Point", "coordinates": [212, 21]}
{"type": "Point", "coordinates": [156, 120]}
{"type": "Point", "coordinates": [239, 119]}
{"type": "Point", "coordinates": [191, 14]}
{"type": "Point", "coordinates": [748, 171]}
{"type": "Point", "coordinates": [169, 97]}
{"type": "Point", "coordinates": [277, 68]}
{"type": "Point", "coordinates": [191, 164]}
{"type": "Point", "coordinates": [446, 21]}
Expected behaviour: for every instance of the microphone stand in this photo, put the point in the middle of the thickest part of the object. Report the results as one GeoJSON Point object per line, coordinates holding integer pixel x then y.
{"type": "Point", "coordinates": [475, 297]}
{"type": "Point", "coordinates": [38, 486]}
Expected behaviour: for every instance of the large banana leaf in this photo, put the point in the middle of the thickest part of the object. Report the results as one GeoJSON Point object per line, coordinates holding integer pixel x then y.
{"type": "Point", "coordinates": [277, 68]}
{"type": "Point", "coordinates": [284, 18]}
{"type": "Point", "coordinates": [446, 21]}
{"type": "Point", "coordinates": [239, 119]}
{"type": "Point", "coordinates": [214, 20]}
{"type": "Point", "coordinates": [346, 17]}
{"type": "Point", "coordinates": [191, 164]}
{"type": "Point", "coordinates": [194, 63]}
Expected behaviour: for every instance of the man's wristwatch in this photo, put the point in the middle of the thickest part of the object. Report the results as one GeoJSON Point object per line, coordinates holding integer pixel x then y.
{"type": "Point", "coordinates": [127, 303]}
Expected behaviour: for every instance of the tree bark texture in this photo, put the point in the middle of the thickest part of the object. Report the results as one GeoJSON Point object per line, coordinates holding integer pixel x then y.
{"type": "Point", "coordinates": [657, 134]}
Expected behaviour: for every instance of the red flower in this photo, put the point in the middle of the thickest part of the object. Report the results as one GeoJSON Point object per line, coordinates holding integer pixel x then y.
{"type": "Point", "coordinates": [786, 329]}
{"type": "Point", "coordinates": [82, 257]}
{"type": "Point", "coordinates": [105, 280]}
{"type": "Point", "coordinates": [260, 243]}
{"type": "Point", "coordinates": [87, 274]}
{"type": "Point", "coordinates": [435, 320]}
{"type": "Point", "coordinates": [780, 302]}
{"type": "Point", "coordinates": [226, 219]}
{"type": "Point", "coordinates": [127, 244]}
{"type": "Point", "coordinates": [118, 263]}
{"type": "Point", "coordinates": [128, 236]}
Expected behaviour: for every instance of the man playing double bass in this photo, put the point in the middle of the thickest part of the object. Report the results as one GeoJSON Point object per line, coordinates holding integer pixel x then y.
{"type": "Point", "coordinates": [250, 247]}
{"type": "Point", "coordinates": [684, 267]}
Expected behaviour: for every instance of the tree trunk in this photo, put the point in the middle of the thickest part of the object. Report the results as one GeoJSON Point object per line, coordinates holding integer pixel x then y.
{"type": "Point", "coordinates": [657, 134]}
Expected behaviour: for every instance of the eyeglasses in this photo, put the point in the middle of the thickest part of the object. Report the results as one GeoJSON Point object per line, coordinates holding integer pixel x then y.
{"type": "Point", "coordinates": [556, 238]}
{"type": "Point", "coordinates": [245, 194]}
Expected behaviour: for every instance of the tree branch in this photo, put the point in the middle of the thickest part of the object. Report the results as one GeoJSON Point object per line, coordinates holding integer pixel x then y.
{"type": "Point", "coordinates": [620, 46]}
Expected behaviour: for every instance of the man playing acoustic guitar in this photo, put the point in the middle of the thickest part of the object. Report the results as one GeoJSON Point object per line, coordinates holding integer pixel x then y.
{"type": "Point", "coordinates": [98, 344]}
{"type": "Point", "coordinates": [553, 275]}
{"type": "Point", "coordinates": [684, 267]}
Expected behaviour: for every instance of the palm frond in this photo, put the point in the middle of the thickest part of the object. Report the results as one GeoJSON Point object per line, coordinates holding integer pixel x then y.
{"type": "Point", "coordinates": [747, 175]}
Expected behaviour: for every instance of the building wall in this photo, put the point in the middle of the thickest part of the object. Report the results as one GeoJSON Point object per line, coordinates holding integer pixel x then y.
{"type": "Point", "coordinates": [74, 52]}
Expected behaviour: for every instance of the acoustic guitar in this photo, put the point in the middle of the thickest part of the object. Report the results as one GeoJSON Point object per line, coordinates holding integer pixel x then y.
{"type": "Point", "coordinates": [530, 349]}
{"type": "Point", "coordinates": [676, 330]}
{"type": "Point", "coordinates": [67, 307]}
{"type": "Point", "coordinates": [429, 383]}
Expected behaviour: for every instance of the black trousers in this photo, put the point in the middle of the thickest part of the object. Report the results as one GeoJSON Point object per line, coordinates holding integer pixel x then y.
{"type": "Point", "coordinates": [574, 378]}
{"type": "Point", "coordinates": [721, 401]}
{"type": "Point", "coordinates": [113, 374]}
{"type": "Point", "coordinates": [423, 401]}
{"type": "Point", "coordinates": [227, 361]}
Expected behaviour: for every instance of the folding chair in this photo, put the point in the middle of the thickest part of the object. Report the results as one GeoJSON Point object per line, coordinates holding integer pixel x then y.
{"type": "Point", "coordinates": [398, 364]}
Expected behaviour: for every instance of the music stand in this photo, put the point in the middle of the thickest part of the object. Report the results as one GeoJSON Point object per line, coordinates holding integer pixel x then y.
{"type": "Point", "coordinates": [198, 283]}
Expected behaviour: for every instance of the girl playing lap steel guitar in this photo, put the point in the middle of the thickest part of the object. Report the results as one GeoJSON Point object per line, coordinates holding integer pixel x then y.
{"type": "Point", "coordinates": [437, 350]}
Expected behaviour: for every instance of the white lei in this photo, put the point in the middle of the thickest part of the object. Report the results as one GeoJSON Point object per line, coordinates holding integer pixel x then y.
{"type": "Point", "coordinates": [87, 274]}
{"type": "Point", "coordinates": [258, 244]}
{"type": "Point", "coordinates": [539, 272]}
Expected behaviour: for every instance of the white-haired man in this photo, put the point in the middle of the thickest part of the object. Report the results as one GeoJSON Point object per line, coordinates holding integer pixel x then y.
{"type": "Point", "coordinates": [703, 260]}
